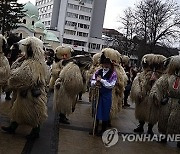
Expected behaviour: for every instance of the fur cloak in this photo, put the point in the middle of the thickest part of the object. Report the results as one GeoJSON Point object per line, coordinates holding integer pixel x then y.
{"type": "Point", "coordinates": [28, 82]}
{"type": "Point", "coordinates": [61, 53]}
{"type": "Point", "coordinates": [168, 86]}
{"type": "Point", "coordinates": [4, 64]}
{"type": "Point", "coordinates": [95, 66]}
{"type": "Point", "coordinates": [56, 69]}
{"type": "Point", "coordinates": [141, 86]}
{"type": "Point", "coordinates": [67, 87]}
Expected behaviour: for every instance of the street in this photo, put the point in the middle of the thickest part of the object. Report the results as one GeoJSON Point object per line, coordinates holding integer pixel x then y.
{"type": "Point", "coordinates": [75, 138]}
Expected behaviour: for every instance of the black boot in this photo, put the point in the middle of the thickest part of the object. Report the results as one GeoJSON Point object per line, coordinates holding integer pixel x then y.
{"type": "Point", "coordinates": [104, 127]}
{"type": "Point", "coordinates": [126, 94]}
{"type": "Point", "coordinates": [8, 96]}
{"type": "Point", "coordinates": [150, 131]}
{"type": "Point", "coordinates": [80, 96]}
{"type": "Point", "coordinates": [63, 119]}
{"type": "Point", "coordinates": [10, 129]}
{"type": "Point", "coordinates": [140, 128]}
{"type": "Point", "coordinates": [96, 128]}
{"type": "Point", "coordinates": [34, 133]}
{"type": "Point", "coordinates": [178, 144]}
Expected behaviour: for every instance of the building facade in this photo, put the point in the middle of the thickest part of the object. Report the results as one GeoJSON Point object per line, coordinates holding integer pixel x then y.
{"type": "Point", "coordinates": [45, 8]}
{"type": "Point", "coordinates": [78, 23]}
{"type": "Point", "coordinates": [32, 26]}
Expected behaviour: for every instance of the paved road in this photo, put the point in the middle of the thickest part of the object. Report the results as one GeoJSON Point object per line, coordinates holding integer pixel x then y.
{"type": "Point", "coordinates": [74, 138]}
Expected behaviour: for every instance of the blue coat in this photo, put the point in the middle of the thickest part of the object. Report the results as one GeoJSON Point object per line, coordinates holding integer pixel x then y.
{"type": "Point", "coordinates": [104, 104]}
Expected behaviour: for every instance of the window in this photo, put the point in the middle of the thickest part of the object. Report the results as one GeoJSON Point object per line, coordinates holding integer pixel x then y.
{"type": "Point", "coordinates": [32, 22]}
{"type": "Point", "coordinates": [87, 1]}
{"type": "Point", "coordinates": [72, 6]}
{"type": "Point", "coordinates": [24, 21]}
{"type": "Point", "coordinates": [84, 17]}
{"type": "Point", "coordinates": [70, 32]}
{"type": "Point", "coordinates": [67, 41]}
{"type": "Point", "coordinates": [82, 34]}
{"type": "Point", "coordinates": [72, 15]}
{"type": "Point", "coordinates": [94, 46]}
{"type": "Point", "coordinates": [40, 37]}
{"type": "Point", "coordinates": [83, 26]}
{"type": "Point", "coordinates": [45, 8]}
{"type": "Point", "coordinates": [70, 23]}
{"type": "Point", "coordinates": [79, 43]}
{"type": "Point", "coordinates": [86, 9]}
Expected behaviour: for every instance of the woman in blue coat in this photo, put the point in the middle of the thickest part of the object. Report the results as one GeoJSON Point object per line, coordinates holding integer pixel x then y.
{"type": "Point", "coordinates": [106, 77]}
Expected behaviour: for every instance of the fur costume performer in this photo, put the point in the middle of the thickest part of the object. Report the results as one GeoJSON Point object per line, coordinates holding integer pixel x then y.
{"type": "Point", "coordinates": [125, 63]}
{"type": "Point", "coordinates": [22, 48]}
{"type": "Point", "coordinates": [69, 84]}
{"type": "Point", "coordinates": [4, 64]}
{"type": "Point", "coordinates": [125, 60]}
{"type": "Point", "coordinates": [28, 82]}
{"type": "Point", "coordinates": [61, 53]}
{"type": "Point", "coordinates": [153, 68]}
{"type": "Point", "coordinates": [166, 95]}
{"type": "Point", "coordinates": [118, 90]}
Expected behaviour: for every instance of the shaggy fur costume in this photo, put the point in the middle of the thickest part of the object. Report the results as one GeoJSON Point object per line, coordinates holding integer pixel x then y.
{"type": "Point", "coordinates": [61, 52]}
{"type": "Point", "coordinates": [95, 66]}
{"type": "Point", "coordinates": [4, 64]}
{"type": "Point", "coordinates": [168, 86]}
{"type": "Point", "coordinates": [125, 60]}
{"type": "Point", "coordinates": [67, 87]}
{"type": "Point", "coordinates": [27, 80]}
{"type": "Point", "coordinates": [152, 69]}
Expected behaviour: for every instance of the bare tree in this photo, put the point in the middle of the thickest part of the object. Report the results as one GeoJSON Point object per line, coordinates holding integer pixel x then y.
{"type": "Point", "coordinates": [128, 27]}
{"type": "Point", "coordinates": [158, 21]}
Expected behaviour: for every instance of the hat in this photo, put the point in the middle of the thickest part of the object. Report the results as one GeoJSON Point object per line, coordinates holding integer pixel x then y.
{"type": "Point", "coordinates": [104, 60]}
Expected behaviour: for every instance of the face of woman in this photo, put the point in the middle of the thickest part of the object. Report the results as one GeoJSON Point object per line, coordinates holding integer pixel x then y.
{"type": "Point", "coordinates": [106, 65]}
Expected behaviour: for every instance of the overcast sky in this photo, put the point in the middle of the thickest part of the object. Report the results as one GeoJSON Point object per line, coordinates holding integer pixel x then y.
{"type": "Point", "coordinates": [114, 9]}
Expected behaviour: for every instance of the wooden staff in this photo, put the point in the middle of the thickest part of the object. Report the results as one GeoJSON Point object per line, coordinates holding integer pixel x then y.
{"type": "Point", "coordinates": [95, 100]}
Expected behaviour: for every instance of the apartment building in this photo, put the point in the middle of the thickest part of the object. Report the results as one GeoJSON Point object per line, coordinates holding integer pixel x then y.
{"type": "Point", "coordinates": [45, 8]}
{"type": "Point", "coordinates": [78, 23]}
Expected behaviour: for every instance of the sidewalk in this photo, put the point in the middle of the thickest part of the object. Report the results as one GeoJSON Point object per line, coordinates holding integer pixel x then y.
{"type": "Point", "coordinates": [11, 143]}
{"type": "Point", "coordinates": [74, 138]}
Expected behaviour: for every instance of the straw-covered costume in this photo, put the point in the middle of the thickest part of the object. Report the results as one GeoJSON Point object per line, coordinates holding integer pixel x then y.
{"type": "Point", "coordinates": [166, 95]}
{"type": "Point", "coordinates": [69, 84]}
{"type": "Point", "coordinates": [61, 52]}
{"type": "Point", "coordinates": [28, 82]}
{"type": "Point", "coordinates": [4, 64]}
{"type": "Point", "coordinates": [153, 68]}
